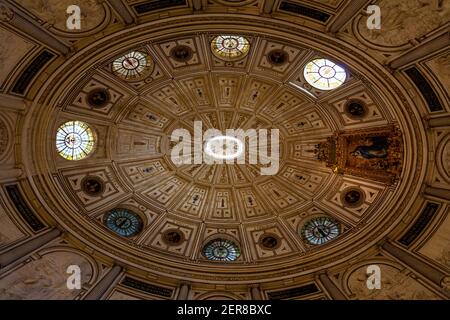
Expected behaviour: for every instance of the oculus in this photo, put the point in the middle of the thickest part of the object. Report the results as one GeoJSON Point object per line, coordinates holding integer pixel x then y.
{"type": "Point", "coordinates": [353, 197]}
{"type": "Point", "coordinates": [269, 241]}
{"type": "Point", "coordinates": [74, 140]}
{"type": "Point", "coordinates": [173, 237]}
{"type": "Point", "coordinates": [229, 47]}
{"type": "Point", "coordinates": [319, 230]}
{"type": "Point", "coordinates": [356, 109]}
{"type": "Point", "coordinates": [277, 57]}
{"type": "Point", "coordinates": [134, 65]}
{"type": "Point", "coordinates": [123, 222]}
{"type": "Point", "coordinates": [92, 186]}
{"type": "Point", "coordinates": [221, 250]}
{"type": "Point", "coordinates": [224, 147]}
{"type": "Point", "coordinates": [324, 74]}
{"type": "Point", "coordinates": [98, 98]}
{"type": "Point", "coordinates": [181, 53]}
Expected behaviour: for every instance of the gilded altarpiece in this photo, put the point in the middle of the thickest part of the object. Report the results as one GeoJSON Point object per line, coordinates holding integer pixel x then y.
{"type": "Point", "coordinates": [375, 154]}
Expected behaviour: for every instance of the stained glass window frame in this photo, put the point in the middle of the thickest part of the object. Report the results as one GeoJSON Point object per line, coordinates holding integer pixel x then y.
{"type": "Point", "coordinates": [221, 52]}
{"type": "Point", "coordinates": [139, 72]}
{"type": "Point", "coordinates": [76, 152]}
{"type": "Point", "coordinates": [233, 255]}
{"type": "Point", "coordinates": [312, 74]}
{"type": "Point", "coordinates": [310, 238]}
{"type": "Point", "coordinates": [135, 228]}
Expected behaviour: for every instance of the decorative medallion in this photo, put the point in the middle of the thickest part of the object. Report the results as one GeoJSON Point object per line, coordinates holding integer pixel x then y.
{"type": "Point", "coordinates": [356, 109]}
{"type": "Point", "coordinates": [352, 197]}
{"type": "Point", "coordinates": [181, 53]}
{"type": "Point", "coordinates": [319, 230]}
{"type": "Point", "coordinates": [124, 222]}
{"type": "Point", "coordinates": [173, 237]}
{"type": "Point", "coordinates": [221, 250]}
{"type": "Point", "coordinates": [98, 98]}
{"type": "Point", "coordinates": [277, 57]}
{"type": "Point", "coordinates": [92, 186]}
{"type": "Point", "coordinates": [269, 241]}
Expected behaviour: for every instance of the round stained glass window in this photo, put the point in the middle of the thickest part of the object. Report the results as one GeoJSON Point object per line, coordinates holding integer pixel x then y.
{"type": "Point", "coordinates": [230, 47]}
{"type": "Point", "coordinates": [74, 140]}
{"type": "Point", "coordinates": [132, 66]}
{"type": "Point", "coordinates": [221, 250]}
{"type": "Point", "coordinates": [123, 222]}
{"type": "Point", "coordinates": [324, 74]}
{"type": "Point", "coordinates": [319, 230]}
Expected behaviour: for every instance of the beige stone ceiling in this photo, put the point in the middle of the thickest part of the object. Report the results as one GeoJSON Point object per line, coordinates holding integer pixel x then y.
{"type": "Point", "coordinates": [201, 202]}
{"type": "Point", "coordinates": [132, 158]}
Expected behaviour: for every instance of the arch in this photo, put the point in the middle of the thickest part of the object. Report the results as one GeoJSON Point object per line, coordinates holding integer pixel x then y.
{"type": "Point", "coordinates": [443, 158]}
{"type": "Point", "coordinates": [46, 277]}
{"type": "Point", "coordinates": [218, 295]}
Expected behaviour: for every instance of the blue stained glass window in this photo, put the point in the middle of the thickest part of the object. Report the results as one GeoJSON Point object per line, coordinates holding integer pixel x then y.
{"type": "Point", "coordinates": [124, 222]}
{"type": "Point", "coordinates": [319, 230]}
{"type": "Point", "coordinates": [221, 250]}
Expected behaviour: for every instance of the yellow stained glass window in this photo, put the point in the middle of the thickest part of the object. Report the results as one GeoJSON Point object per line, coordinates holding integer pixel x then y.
{"type": "Point", "coordinates": [230, 47]}
{"type": "Point", "coordinates": [324, 74]}
{"type": "Point", "coordinates": [74, 140]}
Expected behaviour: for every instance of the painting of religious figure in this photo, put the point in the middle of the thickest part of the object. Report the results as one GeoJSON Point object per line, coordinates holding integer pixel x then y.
{"type": "Point", "coordinates": [375, 147]}
{"type": "Point", "coordinates": [373, 154]}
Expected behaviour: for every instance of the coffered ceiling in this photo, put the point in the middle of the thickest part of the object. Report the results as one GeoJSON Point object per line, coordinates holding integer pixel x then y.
{"type": "Point", "coordinates": [353, 160]}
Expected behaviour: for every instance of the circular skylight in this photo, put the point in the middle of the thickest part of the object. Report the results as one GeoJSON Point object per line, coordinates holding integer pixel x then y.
{"type": "Point", "coordinates": [324, 74]}
{"type": "Point", "coordinates": [132, 66]}
{"type": "Point", "coordinates": [74, 140]}
{"type": "Point", "coordinates": [224, 147]}
{"type": "Point", "coordinates": [230, 47]}
{"type": "Point", "coordinates": [319, 230]}
{"type": "Point", "coordinates": [221, 250]}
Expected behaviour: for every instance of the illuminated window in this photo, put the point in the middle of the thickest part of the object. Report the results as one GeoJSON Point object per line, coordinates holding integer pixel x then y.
{"type": "Point", "coordinates": [123, 222]}
{"type": "Point", "coordinates": [323, 74]}
{"type": "Point", "coordinates": [319, 230]}
{"type": "Point", "coordinates": [74, 140]}
{"type": "Point", "coordinates": [221, 250]}
{"type": "Point", "coordinates": [230, 47]}
{"type": "Point", "coordinates": [132, 66]}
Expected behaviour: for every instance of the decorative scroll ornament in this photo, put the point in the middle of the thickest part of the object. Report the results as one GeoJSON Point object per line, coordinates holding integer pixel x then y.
{"type": "Point", "coordinates": [445, 283]}
{"type": "Point", "coordinates": [6, 13]}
